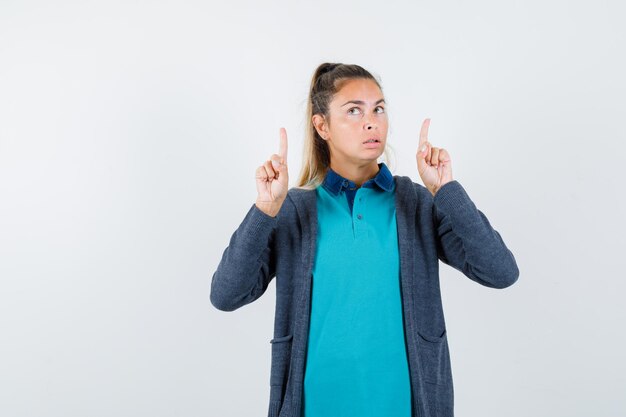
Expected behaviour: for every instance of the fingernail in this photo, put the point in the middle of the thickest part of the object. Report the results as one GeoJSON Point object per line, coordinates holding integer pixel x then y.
{"type": "Point", "coordinates": [275, 163]}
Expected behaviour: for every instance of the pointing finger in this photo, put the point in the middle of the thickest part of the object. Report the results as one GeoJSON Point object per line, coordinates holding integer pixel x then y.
{"type": "Point", "coordinates": [424, 135]}
{"type": "Point", "coordinates": [283, 145]}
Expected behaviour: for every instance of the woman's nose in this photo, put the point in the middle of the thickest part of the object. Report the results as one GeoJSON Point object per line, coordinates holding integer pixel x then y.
{"type": "Point", "coordinates": [370, 123]}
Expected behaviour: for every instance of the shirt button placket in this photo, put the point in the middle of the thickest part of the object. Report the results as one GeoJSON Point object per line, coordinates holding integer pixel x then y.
{"type": "Point", "coordinates": [360, 226]}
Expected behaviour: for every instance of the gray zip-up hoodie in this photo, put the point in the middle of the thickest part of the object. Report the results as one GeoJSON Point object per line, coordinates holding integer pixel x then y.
{"type": "Point", "coordinates": [446, 227]}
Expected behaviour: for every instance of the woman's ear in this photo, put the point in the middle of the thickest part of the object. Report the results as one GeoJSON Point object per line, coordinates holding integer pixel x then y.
{"type": "Point", "coordinates": [320, 125]}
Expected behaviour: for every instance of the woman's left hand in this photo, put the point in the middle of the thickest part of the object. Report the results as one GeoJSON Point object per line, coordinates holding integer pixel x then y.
{"type": "Point", "coordinates": [433, 164]}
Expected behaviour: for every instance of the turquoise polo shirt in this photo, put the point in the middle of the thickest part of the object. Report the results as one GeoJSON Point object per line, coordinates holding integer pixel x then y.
{"type": "Point", "coordinates": [356, 363]}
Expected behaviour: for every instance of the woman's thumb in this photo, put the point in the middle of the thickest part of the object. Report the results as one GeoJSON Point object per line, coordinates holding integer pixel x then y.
{"type": "Point", "coordinates": [423, 150]}
{"type": "Point", "coordinates": [421, 153]}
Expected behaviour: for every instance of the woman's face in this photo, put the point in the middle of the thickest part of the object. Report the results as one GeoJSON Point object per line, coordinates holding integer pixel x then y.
{"type": "Point", "coordinates": [357, 113]}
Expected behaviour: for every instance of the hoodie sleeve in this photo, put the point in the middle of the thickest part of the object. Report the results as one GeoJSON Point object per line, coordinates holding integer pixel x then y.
{"type": "Point", "coordinates": [467, 242]}
{"type": "Point", "coordinates": [248, 263]}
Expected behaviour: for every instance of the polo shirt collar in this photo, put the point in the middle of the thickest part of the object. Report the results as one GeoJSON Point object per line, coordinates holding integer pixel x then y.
{"type": "Point", "coordinates": [335, 183]}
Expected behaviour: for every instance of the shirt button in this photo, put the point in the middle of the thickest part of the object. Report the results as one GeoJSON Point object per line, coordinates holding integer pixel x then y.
{"type": "Point", "coordinates": [359, 216]}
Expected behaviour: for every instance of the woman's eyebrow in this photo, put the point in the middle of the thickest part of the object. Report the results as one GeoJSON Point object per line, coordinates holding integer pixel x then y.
{"type": "Point", "coordinates": [361, 102]}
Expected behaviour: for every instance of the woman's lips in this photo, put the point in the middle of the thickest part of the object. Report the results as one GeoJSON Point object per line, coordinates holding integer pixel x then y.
{"type": "Point", "coordinates": [372, 144]}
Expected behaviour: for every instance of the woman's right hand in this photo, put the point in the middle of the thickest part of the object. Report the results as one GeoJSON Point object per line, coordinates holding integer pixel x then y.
{"type": "Point", "coordinates": [272, 179]}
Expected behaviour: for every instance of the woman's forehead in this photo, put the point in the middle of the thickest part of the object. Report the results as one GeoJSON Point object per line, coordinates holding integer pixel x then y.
{"type": "Point", "coordinates": [359, 91]}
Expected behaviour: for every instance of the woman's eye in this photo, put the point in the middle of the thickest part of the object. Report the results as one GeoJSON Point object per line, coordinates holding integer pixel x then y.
{"type": "Point", "coordinates": [356, 108]}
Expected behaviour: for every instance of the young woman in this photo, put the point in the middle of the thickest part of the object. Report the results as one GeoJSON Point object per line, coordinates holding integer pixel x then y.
{"type": "Point", "coordinates": [359, 327]}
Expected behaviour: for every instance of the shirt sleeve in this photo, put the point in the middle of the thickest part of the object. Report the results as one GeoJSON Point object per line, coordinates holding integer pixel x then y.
{"type": "Point", "coordinates": [248, 262]}
{"type": "Point", "coordinates": [468, 242]}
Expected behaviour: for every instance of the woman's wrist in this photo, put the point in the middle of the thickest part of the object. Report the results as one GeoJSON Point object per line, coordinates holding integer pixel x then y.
{"type": "Point", "coordinates": [271, 209]}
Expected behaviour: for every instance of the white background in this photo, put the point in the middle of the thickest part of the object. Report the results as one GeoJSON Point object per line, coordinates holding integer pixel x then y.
{"type": "Point", "coordinates": [129, 137]}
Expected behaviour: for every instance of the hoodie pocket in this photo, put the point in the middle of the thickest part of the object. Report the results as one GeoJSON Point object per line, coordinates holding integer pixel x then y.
{"type": "Point", "coordinates": [281, 356]}
{"type": "Point", "coordinates": [434, 358]}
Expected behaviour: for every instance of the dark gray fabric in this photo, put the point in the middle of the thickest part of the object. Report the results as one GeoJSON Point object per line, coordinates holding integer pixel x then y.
{"type": "Point", "coordinates": [446, 227]}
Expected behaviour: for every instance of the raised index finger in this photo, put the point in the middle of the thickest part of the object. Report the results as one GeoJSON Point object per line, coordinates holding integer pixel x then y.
{"type": "Point", "coordinates": [283, 145]}
{"type": "Point", "coordinates": [424, 133]}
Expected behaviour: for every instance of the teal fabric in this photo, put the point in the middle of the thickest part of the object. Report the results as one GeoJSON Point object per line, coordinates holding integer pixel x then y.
{"type": "Point", "coordinates": [356, 361]}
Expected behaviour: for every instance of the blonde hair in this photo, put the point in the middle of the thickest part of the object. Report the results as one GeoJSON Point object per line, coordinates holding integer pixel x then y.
{"type": "Point", "coordinates": [327, 80]}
